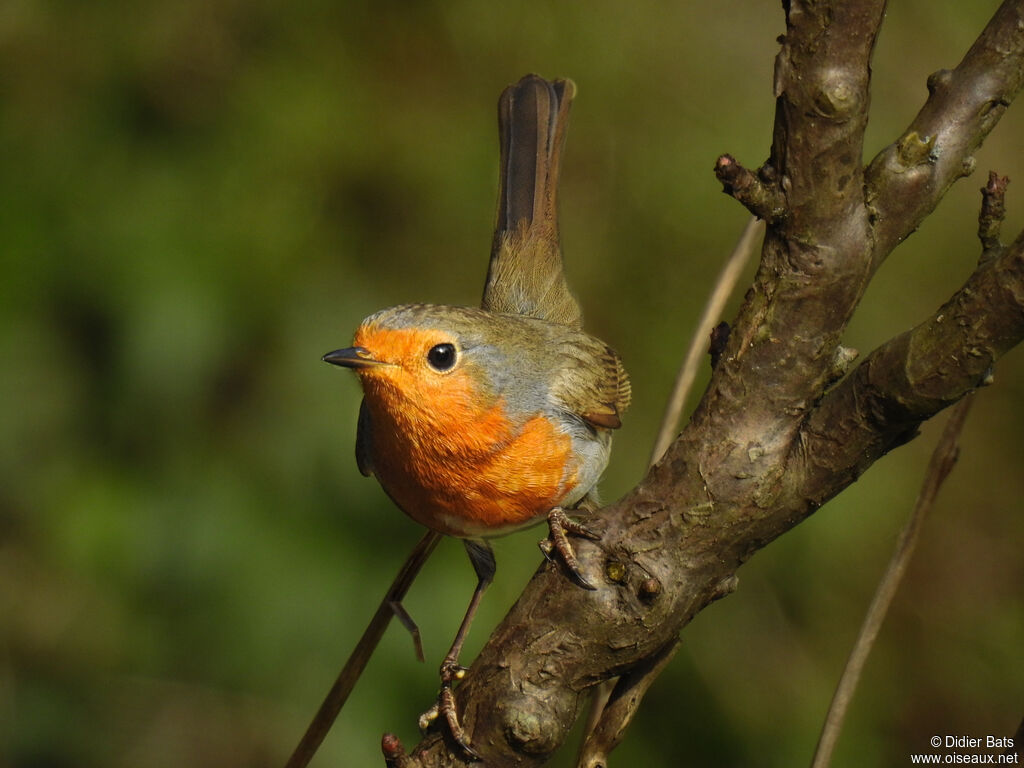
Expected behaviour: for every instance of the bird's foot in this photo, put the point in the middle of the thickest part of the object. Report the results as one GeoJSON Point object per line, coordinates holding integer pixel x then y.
{"type": "Point", "coordinates": [444, 708]}
{"type": "Point", "coordinates": [560, 525]}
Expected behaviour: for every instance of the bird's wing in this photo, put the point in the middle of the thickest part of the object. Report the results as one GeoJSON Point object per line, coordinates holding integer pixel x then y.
{"type": "Point", "coordinates": [592, 383]}
{"type": "Point", "coordinates": [364, 436]}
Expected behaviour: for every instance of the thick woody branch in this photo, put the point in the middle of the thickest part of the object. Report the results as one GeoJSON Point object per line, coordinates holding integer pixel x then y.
{"type": "Point", "coordinates": [908, 178]}
{"type": "Point", "coordinates": [912, 377]}
{"type": "Point", "coordinates": [814, 265]}
{"type": "Point", "coordinates": [673, 544]}
{"type": "Point", "coordinates": [661, 560]}
{"type": "Point", "coordinates": [769, 442]}
{"type": "Point", "coordinates": [821, 86]}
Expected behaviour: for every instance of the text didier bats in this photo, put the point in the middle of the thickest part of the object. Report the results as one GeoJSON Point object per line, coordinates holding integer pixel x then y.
{"type": "Point", "coordinates": [989, 742]}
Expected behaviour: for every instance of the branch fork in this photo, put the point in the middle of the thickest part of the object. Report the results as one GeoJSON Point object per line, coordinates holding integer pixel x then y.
{"type": "Point", "coordinates": [789, 419]}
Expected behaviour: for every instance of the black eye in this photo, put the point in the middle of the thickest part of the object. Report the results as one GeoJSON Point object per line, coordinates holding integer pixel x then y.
{"type": "Point", "coordinates": [441, 357]}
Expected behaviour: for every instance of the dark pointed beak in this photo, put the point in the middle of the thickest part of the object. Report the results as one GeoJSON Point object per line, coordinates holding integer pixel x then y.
{"type": "Point", "coordinates": [352, 357]}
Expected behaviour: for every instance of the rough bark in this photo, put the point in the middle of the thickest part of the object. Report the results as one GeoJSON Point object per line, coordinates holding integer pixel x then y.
{"type": "Point", "coordinates": [787, 422]}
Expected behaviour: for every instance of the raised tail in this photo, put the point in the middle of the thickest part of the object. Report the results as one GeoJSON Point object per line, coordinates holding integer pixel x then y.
{"type": "Point", "coordinates": [525, 275]}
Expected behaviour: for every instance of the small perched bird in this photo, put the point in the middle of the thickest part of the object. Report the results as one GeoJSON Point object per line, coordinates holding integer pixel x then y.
{"type": "Point", "coordinates": [481, 421]}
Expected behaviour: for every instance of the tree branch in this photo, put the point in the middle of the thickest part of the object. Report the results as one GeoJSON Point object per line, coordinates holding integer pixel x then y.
{"type": "Point", "coordinates": [813, 267]}
{"type": "Point", "coordinates": [761, 198]}
{"type": "Point", "coordinates": [908, 178]}
{"type": "Point", "coordinates": [774, 436]}
{"type": "Point", "coordinates": [912, 377]}
{"type": "Point", "coordinates": [622, 706]}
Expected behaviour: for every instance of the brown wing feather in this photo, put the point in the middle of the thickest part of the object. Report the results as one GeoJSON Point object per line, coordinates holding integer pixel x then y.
{"type": "Point", "coordinates": [594, 384]}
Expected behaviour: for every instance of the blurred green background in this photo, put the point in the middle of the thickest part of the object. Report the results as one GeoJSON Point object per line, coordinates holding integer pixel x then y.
{"type": "Point", "coordinates": [199, 198]}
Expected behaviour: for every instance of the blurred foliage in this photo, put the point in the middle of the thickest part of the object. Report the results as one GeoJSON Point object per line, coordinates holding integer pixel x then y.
{"type": "Point", "coordinates": [201, 197]}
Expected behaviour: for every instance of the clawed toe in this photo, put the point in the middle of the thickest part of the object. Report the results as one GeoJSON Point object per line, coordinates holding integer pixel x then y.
{"type": "Point", "coordinates": [444, 708]}
{"type": "Point", "coordinates": [560, 525]}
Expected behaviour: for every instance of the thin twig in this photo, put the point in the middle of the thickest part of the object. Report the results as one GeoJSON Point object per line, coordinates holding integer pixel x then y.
{"type": "Point", "coordinates": [622, 706]}
{"type": "Point", "coordinates": [698, 343]}
{"type": "Point", "coordinates": [684, 381]}
{"type": "Point", "coordinates": [764, 200]}
{"type": "Point", "coordinates": [907, 179]}
{"type": "Point", "coordinates": [599, 696]}
{"type": "Point", "coordinates": [727, 280]}
{"type": "Point", "coordinates": [992, 214]}
{"type": "Point", "coordinates": [339, 693]}
{"type": "Point", "coordinates": [939, 467]}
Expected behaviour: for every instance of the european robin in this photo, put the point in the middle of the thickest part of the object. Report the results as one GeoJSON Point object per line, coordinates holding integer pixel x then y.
{"type": "Point", "coordinates": [481, 421]}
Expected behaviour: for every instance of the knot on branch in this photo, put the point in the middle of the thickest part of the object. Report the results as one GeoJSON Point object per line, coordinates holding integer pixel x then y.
{"type": "Point", "coordinates": [939, 81]}
{"type": "Point", "coordinates": [649, 589]}
{"type": "Point", "coordinates": [838, 95]}
{"type": "Point", "coordinates": [967, 166]}
{"type": "Point", "coordinates": [913, 150]}
{"type": "Point", "coordinates": [531, 726]}
{"type": "Point", "coordinates": [842, 360]}
{"type": "Point", "coordinates": [908, 164]}
{"type": "Point", "coordinates": [753, 191]}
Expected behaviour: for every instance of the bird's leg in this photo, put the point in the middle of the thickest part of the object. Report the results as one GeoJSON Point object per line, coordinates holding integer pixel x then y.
{"type": "Point", "coordinates": [559, 526]}
{"type": "Point", "coordinates": [482, 558]}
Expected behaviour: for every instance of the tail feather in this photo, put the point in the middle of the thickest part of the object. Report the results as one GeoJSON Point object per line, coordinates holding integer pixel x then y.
{"type": "Point", "coordinates": [525, 275]}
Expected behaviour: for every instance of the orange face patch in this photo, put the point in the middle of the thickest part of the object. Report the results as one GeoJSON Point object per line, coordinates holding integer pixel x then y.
{"type": "Point", "coordinates": [416, 396]}
{"type": "Point", "coordinates": [400, 346]}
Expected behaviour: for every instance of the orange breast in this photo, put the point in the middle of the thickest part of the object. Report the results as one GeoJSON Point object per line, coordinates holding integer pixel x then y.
{"type": "Point", "coordinates": [468, 472]}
